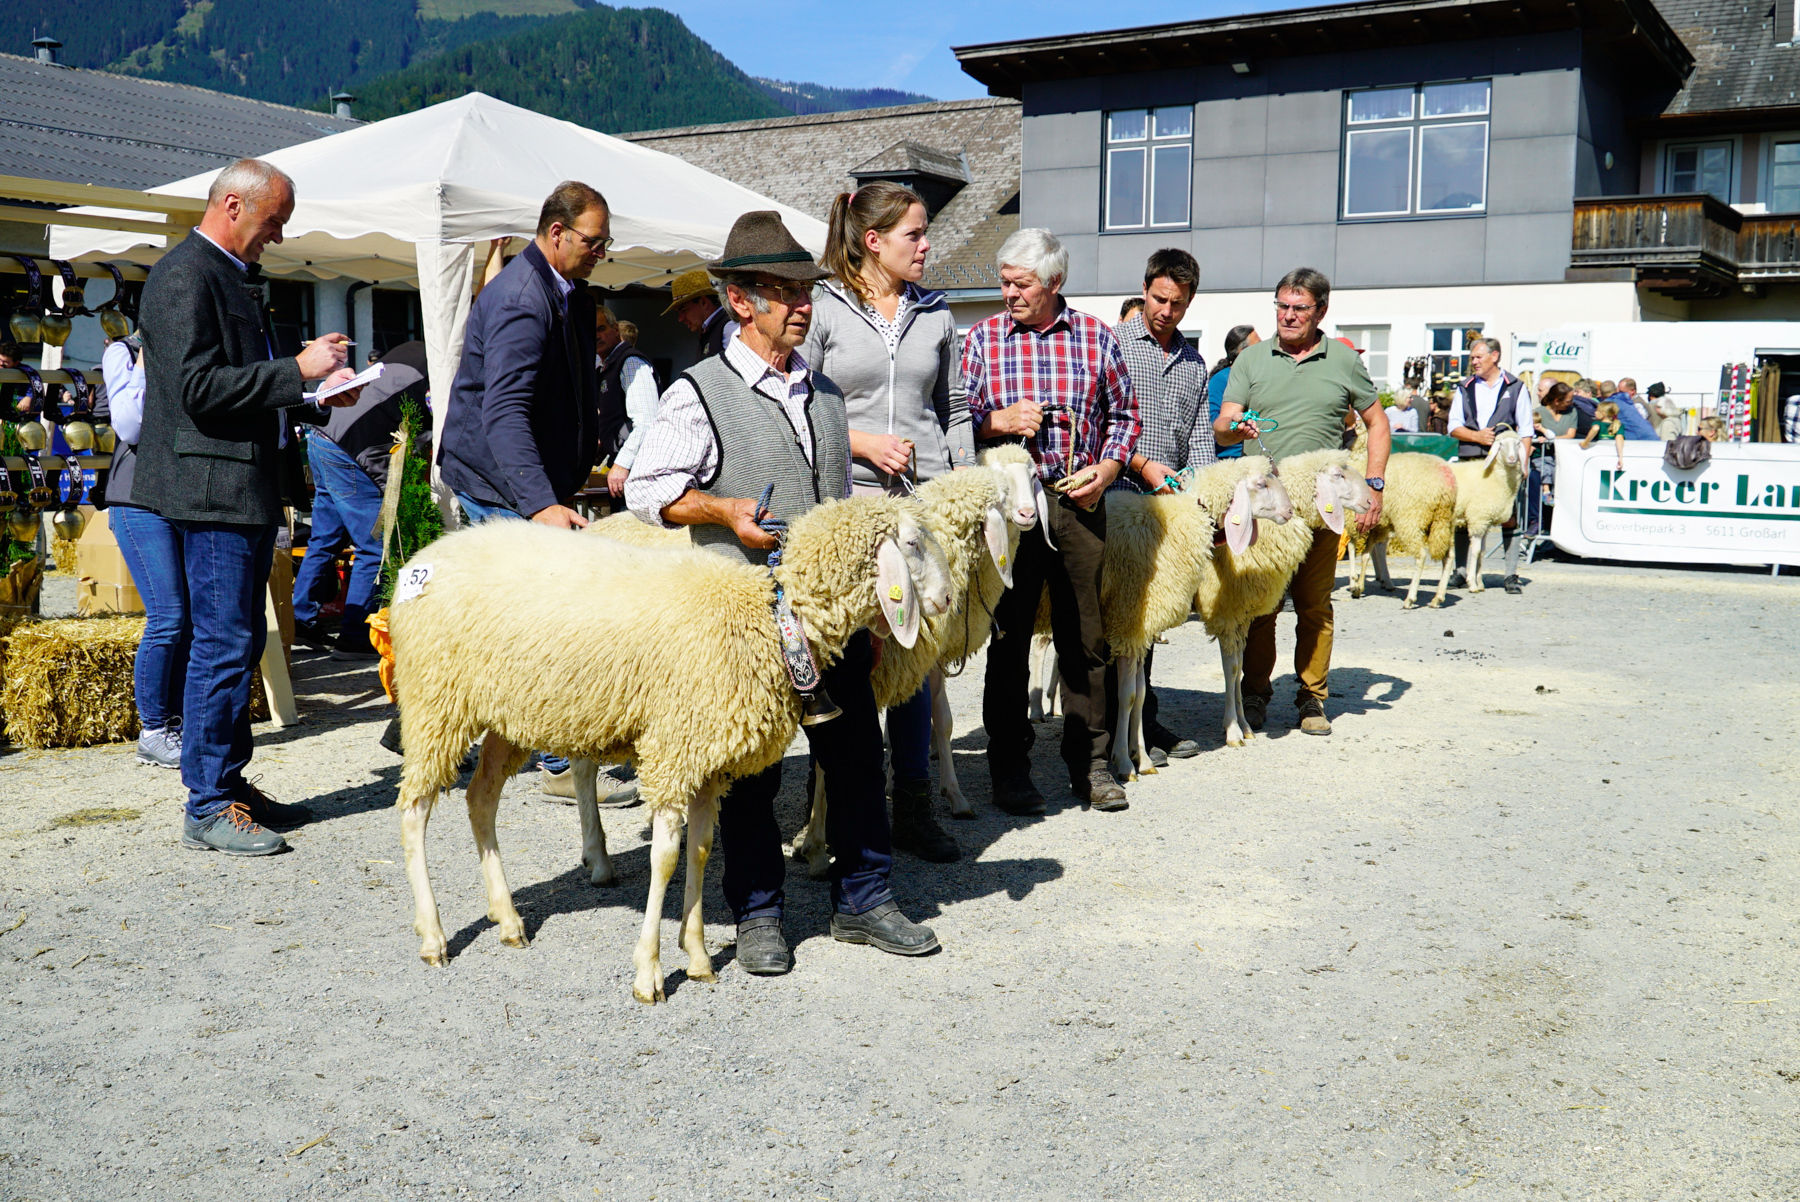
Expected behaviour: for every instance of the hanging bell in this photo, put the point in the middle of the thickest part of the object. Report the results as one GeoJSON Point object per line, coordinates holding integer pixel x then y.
{"type": "Point", "coordinates": [22, 524]}
{"type": "Point", "coordinates": [25, 328]}
{"type": "Point", "coordinates": [115, 323]}
{"type": "Point", "coordinates": [54, 328]}
{"type": "Point", "coordinates": [68, 523]}
{"type": "Point", "coordinates": [32, 436]}
{"type": "Point", "coordinates": [817, 708]}
{"type": "Point", "coordinates": [79, 436]}
{"type": "Point", "coordinates": [105, 440]}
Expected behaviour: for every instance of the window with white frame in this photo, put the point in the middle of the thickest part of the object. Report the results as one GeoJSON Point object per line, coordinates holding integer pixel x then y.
{"type": "Point", "coordinates": [1416, 151]}
{"type": "Point", "coordinates": [1450, 348]}
{"type": "Point", "coordinates": [1372, 341]}
{"type": "Point", "coordinates": [1149, 168]}
{"type": "Point", "coordinates": [1784, 177]}
{"type": "Point", "coordinates": [1700, 167]}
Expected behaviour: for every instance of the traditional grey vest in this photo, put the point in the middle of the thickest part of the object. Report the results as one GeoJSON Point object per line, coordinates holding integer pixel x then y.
{"type": "Point", "coordinates": [1505, 408]}
{"type": "Point", "coordinates": [759, 447]}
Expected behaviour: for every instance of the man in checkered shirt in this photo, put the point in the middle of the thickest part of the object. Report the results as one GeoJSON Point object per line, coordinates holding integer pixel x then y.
{"type": "Point", "coordinates": [1054, 378]}
{"type": "Point", "coordinates": [1169, 377]}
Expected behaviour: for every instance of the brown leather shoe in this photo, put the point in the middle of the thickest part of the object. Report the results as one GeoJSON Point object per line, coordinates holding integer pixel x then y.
{"type": "Point", "coordinates": [1100, 791]}
{"type": "Point", "coordinates": [1312, 717]}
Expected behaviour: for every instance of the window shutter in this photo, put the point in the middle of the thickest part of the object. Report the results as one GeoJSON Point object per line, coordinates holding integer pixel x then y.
{"type": "Point", "coordinates": [1784, 21]}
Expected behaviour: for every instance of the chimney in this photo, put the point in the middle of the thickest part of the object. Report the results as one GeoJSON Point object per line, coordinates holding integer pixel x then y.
{"type": "Point", "coordinates": [341, 105]}
{"type": "Point", "coordinates": [46, 49]}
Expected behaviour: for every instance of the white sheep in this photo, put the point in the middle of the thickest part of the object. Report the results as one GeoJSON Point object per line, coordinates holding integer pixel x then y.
{"type": "Point", "coordinates": [976, 516]}
{"type": "Point", "coordinates": [1418, 518]}
{"type": "Point", "coordinates": [693, 688]}
{"type": "Point", "coordinates": [627, 527]}
{"type": "Point", "coordinates": [1487, 492]}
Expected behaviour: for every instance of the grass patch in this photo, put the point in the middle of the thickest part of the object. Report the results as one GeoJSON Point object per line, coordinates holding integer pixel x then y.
{"type": "Point", "coordinates": [456, 10]}
{"type": "Point", "coordinates": [98, 816]}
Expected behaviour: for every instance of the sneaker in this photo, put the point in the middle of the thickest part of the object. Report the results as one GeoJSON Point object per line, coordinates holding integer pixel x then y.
{"type": "Point", "coordinates": [1511, 585]}
{"type": "Point", "coordinates": [160, 748]}
{"type": "Point", "coordinates": [612, 788]}
{"type": "Point", "coordinates": [1312, 717]}
{"type": "Point", "coordinates": [266, 811]}
{"type": "Point", "coordinates": [884, 927]}
{"type": "Point", "coordinates": [1256, 710]}
{"type": "Point", "coordinates": [557, 784]}
{"type": "Point", "coordinates": [231, 831]}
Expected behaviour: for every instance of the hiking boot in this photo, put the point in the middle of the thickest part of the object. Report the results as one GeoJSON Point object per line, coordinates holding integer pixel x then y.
{"type": "Point", "coordinates": [231, 831]}
{"type": "Point", "coordinates": [616, 788]}
{"type": "Point", "coordinates": [915, 828]}
{"type": "Point", "coordinates": [1256, 710]}
{"type": "Point", "coordinates": [1015, 794]}
{"type": "Point", "coordinates": [762, 950]}
{"type": "Point", "coordinates": [1099, 790]}
{"type": "Point", "coordinates": [886, 928]}
{"type": "Point", "coordinates": [1312, 717]}
{"type": "Point", "coordinates": [161, 748]}
{"type": "Point", "coordinates": [1161, 738]}
{"type": "Point", "coordinates": [1511, 585]}
{"type": "Point", "coordinates": [268, 812]}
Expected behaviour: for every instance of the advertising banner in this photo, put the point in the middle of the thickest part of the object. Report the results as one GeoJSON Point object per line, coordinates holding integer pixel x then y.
{"type": "Point", "coordinates": [1741, 507]}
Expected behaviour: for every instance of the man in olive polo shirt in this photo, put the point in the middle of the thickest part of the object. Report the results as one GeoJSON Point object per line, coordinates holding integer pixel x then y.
{"type": "Point", "coordinates": [1304, 385]}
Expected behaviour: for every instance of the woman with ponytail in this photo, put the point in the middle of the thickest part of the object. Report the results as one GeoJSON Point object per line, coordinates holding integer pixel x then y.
{"type": "Point", "coordinates": [891, 347]}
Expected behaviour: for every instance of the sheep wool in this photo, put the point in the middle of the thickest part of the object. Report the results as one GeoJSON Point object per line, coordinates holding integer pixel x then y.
{"type": "Point", "coordinates": [1487, 489]}
{"type": "Point", "coordinates": [625, 527]}
{"type": "Point", "coordinates": [1418, 518]}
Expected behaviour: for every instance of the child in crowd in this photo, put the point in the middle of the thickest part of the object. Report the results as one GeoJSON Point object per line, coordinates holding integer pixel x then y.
{"type": "Point", "coordinates": [1607, 425]}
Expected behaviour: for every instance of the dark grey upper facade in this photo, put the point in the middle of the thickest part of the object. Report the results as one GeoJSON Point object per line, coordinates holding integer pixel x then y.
{"type": "Point", "coordinates": [1573, 108]}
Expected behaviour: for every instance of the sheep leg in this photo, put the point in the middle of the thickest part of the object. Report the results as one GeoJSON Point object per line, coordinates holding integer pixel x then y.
{"type": "Point", "coordinates": [415, 815]}
{"type": "Point", "coordinates": [1042, 698]}
{"type": "Point", "coordinates": [701, 816]}
{"type": "Point", "coordinates": [1443, 580]}
{"type": "Point", "coordinates": [1123, 743]}
{"type": "Point", "coordinates": [1358, 563]}
{"type": "Point", "coordinates": [1237, 727]}
{"type": "Point", "coordinates": [665, 853]}
{"type": "Point", "coordinates": [593, 835]}
{"type": "Point", "coordinates": [1140, 749]}
{"type": "Point", "coordinates": [1412, 590]}
{"type": "Point", "coordinates": [810, 844]}
{"type": "Point", "coordinates": [1477, 549]}
{"type": "Point", "coordinates": [499, 760]}
{"type": "Point", "coordinates": [943, 726]}
{"type": "Point", "coordinates": [1378, 555]}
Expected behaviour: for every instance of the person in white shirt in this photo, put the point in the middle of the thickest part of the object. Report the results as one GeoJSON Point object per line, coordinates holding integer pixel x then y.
{"type": "Point", "coordinates": [1402, 417]}
{"type": "Point", "coordinates": [1489, 399]}
{"type": "Point", "coordinates": [628, 397]}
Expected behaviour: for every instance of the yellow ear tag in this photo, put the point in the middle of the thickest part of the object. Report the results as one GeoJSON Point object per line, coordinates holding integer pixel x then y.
{"type": "Point", "coordinates": [1329, 507]}
{"type": "Point", "coordinates": [1003, 559]}
{"type": "Point", "coordinates": [1236, 521]}
{"type": "Point", "coordinates": [894, 593]}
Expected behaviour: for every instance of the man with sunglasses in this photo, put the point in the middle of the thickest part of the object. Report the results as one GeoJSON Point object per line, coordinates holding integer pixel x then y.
{"type": "Point", "coordinates": [751, 418]}
{"type": "Point", "coordinates": [523, 428]}
{"type": "Point", "coordinates": [1303, 385]}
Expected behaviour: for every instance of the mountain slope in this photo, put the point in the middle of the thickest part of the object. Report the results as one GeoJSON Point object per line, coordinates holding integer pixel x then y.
{"type": "Point", "coordinates": [610, 69]}
{"type": "Point", "coordinates": [802, 99]}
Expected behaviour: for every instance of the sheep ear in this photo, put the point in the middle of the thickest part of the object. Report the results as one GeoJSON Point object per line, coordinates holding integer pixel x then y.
{"type": "Point", "coordinates": [1240, 523]}
{"type": "Point", "coordinates": [1042, 501]}
{"type": "Point", "coordinates": [1329, 496]}
{"type": "Point", "coordinates": [993, 528]}
{"type": "Point", "coordinates": [894, 588]}
{"type": "Point", "coordinates": [1493, 454]}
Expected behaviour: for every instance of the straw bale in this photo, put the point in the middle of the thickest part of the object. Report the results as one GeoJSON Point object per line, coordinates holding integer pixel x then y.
{"type": "Point", "coordinates": [62, 552]}
{"type": "Point", "coordinates": [69, 682]}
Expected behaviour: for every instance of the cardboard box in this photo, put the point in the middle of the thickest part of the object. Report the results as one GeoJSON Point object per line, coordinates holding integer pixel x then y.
{"type": "Point", "coordinates": [104, 584]}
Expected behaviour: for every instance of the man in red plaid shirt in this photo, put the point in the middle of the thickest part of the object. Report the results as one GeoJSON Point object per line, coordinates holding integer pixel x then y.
{"type": "Point", "coordinates": [1056, 379]}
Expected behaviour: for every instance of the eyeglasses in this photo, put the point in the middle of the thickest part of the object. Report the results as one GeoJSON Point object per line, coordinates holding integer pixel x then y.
{"type": "Point", "coordinates": [1296, 310]}
{"type": "Point", "coordinates": [592, 243]}
{"type": "Point", "coordinates": [787, 294]}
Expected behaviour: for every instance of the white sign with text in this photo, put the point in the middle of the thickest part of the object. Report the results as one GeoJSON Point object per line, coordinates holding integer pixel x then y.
{"type": "Point", "coordinates": [1740, 507]}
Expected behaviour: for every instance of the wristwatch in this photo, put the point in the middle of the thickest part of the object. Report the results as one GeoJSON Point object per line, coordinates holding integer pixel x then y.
{"type": "Point", "coordinates": [1375, 482]}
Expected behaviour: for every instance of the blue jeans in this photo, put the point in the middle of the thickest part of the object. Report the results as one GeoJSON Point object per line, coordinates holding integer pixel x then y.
{"type": "Point", "coordinates": [227, 567]}
{"type": "Point", "coordinates": [152, 549]}
{"type": "Point", "coordinates": [909, 737]}
{"type": "Point", "coordinates": [346, 504]}
{"type": "Point", "coordinates": [477, 513]}
{"type": "Point", "coordinates": [856, 819]}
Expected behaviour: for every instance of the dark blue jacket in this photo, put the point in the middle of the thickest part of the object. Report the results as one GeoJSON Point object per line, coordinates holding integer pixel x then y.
{"type": "Point", "coordinates": [523, 426]}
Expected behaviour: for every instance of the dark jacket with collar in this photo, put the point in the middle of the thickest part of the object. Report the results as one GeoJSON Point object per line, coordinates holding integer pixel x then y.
{"type": "Point", "coordinates": [212, 395]}
{"type": "Point", "coordinates": [523, 426]}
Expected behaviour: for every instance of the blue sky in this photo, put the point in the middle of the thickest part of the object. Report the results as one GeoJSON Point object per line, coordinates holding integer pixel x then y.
{"type": "Point", "coordinates": [907, 45]}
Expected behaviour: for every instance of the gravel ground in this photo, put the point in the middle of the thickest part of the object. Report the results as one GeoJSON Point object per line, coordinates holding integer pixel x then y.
{"type": "Point", "coordinates": [1523, 926]}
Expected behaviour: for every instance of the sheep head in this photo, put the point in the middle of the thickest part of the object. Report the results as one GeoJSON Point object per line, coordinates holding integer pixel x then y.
{"type": "Point", "coordinates": [1258, 496]}
{"type": "Point", "coordinates": [1024, 492]}
{"type": "Point", "coordinates": [1337, 490]}
{"type": "Point", "coordinates": [912, 579]}
{"type": "Point", "coordinates": [1508, 451]}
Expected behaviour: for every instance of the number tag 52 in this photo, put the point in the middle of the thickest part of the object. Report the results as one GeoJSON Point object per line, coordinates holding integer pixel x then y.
{"type": "Point", "coordinates": [412, 582]}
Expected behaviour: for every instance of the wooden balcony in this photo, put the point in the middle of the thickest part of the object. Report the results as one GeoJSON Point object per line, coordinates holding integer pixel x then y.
{"type": "Point", "coordinates": [1691, 245]}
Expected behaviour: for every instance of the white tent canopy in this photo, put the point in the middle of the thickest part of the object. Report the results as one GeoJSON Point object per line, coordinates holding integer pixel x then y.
{"type": "Point", "coordinates": [407, 200]}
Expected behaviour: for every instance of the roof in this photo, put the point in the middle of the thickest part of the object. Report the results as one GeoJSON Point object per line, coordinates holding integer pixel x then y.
{"type": "Point", "coordinates": [1370, 24]}
{"type": "Point", "coordinates": [70, 123]}
{"type": "Point", "coordinates": [806, 161]}
{"type": "Point", "coordinates": [1740, 61]}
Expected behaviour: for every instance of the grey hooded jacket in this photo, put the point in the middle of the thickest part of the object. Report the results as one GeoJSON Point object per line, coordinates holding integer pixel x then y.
{"type": "Point", "coordinates": [916, 392]}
